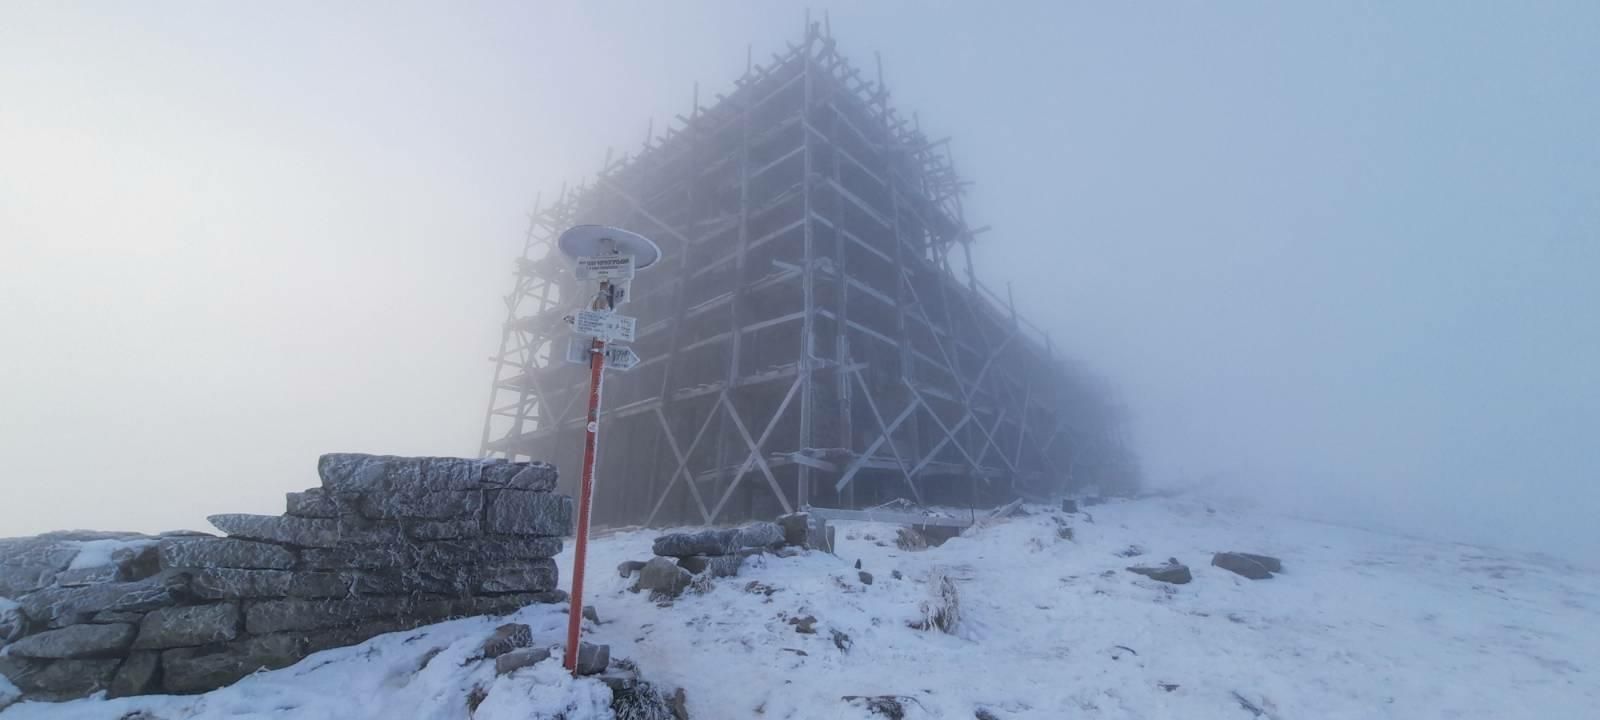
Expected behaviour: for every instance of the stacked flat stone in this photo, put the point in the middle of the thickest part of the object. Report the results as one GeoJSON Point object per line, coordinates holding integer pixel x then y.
{"type": "Point", "coordinates": [384, 544]}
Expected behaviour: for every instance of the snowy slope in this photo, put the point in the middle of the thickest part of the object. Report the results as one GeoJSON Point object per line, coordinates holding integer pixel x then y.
{"type": "Point", "coordinates": [1362, 625]}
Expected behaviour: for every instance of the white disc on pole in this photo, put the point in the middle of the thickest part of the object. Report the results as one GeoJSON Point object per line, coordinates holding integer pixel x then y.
{"type": "Point", "coordinates": [589, 240]}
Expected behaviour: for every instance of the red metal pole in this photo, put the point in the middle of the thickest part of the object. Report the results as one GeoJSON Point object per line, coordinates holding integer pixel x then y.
{"type": "Point", "coordinates": [597, 362]}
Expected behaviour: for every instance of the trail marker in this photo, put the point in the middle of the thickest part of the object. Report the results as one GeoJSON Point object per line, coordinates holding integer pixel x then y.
{"type": "Point", "coordinates": [621, 357]}
{"type": "Point", "coordinates": [609, 256]}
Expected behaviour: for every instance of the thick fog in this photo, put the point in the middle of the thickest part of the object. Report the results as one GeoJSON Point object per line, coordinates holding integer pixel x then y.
{"type": "Point", "coordinates": [1339, 258]}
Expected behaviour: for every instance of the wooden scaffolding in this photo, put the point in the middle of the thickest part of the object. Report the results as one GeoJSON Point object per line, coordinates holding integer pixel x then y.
{"type": "Point", "coordinates": [814, 334]}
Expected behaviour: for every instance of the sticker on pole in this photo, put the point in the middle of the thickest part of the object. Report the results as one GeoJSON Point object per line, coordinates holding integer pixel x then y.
{"type": "Point", "coordinates": [621, 357]}
{"type": "Point", "coordinates": [605, 267]}
{"type": "Point", "coordinates": [604, 325]}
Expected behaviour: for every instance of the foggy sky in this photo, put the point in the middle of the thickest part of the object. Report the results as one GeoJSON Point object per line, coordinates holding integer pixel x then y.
{"type": "Point", "coordinates": [1342, 256]}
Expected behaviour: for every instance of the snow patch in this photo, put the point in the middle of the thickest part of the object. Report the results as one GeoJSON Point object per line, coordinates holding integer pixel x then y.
{"type": "Point", "coordinates": [98, 553]}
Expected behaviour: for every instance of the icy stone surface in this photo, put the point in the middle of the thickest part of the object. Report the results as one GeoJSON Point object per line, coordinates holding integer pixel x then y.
{"type": "Point", "coordinates": [311, 503]}
{"type": "Point", "coordinates": [59, 606]}
{"type": "Point", "coordinates": [186, 670]}
{"type": "Point", "coordinates": [520, 512]}
{"type": "Point", "coordinates": [1171, 572]}
{"type": "Point", "coordinates": [136, 676]}
{"type": "Point", "coordinates": [719, 542]}
{"type": "Point", "coordinates": [77, 641]}
{"type": "Point", "coordinates": [305, 532]}
{"type": "Point", "coordinates": [214, 552]}
{"type": "Point", "coordinates": [27, 564]}
{"type": "Point", "coordinates": [186, 626]}
{"type": "Point", "coordinates": [440, 505]}
{"type": "Point", "coordinates": [53, 680]}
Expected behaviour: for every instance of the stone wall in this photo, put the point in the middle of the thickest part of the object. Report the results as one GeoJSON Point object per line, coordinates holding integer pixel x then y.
{"type": "Point", "coordinates": [384, 544]}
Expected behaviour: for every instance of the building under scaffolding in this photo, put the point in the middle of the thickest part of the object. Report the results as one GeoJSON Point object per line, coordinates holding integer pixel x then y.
{"type": "Point", "coordinates": [814, 334]}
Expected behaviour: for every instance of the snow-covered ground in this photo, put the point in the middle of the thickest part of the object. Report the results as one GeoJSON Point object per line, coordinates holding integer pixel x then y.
{"type": "Point", "coordinates": [1361, 625]}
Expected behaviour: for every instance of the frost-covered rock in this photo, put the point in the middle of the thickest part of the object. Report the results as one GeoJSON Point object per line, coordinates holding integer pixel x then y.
{"type": "Point", "coordinates": [77, 641]}
{"type": "Point", "coordinates": [290, 530]}
{"type": "Point", "coordinates": [187, 670]}
{"type": "Point", "coordinates": [719, 542]}
{"type": "Point", "coordinates": [520, 512]}
{"type": "Point", "coordinates": [518, 659]}
{"type": "Point", "coordinates": [215, 552]}
{"type": "Point", "coordinates": [27, 564]}
{"type": "Point", "coordinates": [1171, 571]}
{"type": "Point", "coordinates": [54, 680]}
{"type": "Point", "coordinates": [186, 626]}
{"type": "Point", "coordinates": [311, 503]}
{"type": "Point", "coordinates": [506, 638]}
{"type": "Point", "coordinates": [1255, 567]}
{"type": "Point", "coordinates": [662, 575]}
{"type": "Point", "coordinates": [59, 606]}
{"type": "Point", "coordinates": [136, 675]}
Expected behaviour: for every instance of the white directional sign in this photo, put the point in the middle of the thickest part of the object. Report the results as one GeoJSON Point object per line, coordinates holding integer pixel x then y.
{"type": "Point", "coordinates": [578, 351]}
{"type": "Point", "coordinates": [605, 267]}
{"type": "Point", "coordinates": [621, 357]}
{"type": "Point", "coordinates": [606, 326]}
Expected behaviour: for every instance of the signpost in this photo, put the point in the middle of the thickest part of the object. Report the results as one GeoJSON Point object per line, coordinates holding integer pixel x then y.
{"type": "Point", "coordinates": [609, 256]}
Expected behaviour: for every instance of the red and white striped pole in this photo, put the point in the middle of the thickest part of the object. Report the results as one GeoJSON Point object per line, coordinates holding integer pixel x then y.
{"type": "Point", "coordinates": [591, 440]}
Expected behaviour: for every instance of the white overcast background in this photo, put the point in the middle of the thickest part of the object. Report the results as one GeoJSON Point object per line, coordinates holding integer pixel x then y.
{"type": "Point", "coordinates": [1341, 255]}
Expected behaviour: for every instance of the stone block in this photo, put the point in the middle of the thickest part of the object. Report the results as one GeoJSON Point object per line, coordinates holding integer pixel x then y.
{"type": "Point", "coordinates": [361, 473]}
{"type": "Point", "coordinates": [136, 675]}
{"type": "Point", "coordinates": [194, 670]}
{"type": "Point", "coordinates": [527, 576]}
{"type": "Point", "coordinates": [27, 564]}
{"type": "Point", "coordinates": [187, 626]}
{"type": "Point", "coordinates": [311, 503]}
{"type": "Point", "coordinates": [233, 583]}
{"type": "Point", "coordinates": [79, 577]}
{"type": "Point", "coordinates": [58, 680]}
{"type": "Point", "coordinates": [1172, 572]}
{"type": "Point", "coordinates": [662, 575]}
{"type": "Point", "coordinates": [76, 641]}
{"type": "Point", "coordinates": [521, 512]}
{"type": "Point", "coordinates": [286, 529]}
{"type": "Point", "coordinates": [796, 527]}
{"type": "Point", "coordinates": [263, 617]}
{"type": "Point", "coordinates": [59, 606]}
{"type": "Point", "coordinates": [593, 659]}
{"type": "Point", "coordinates": [535, 476]}
{"type": "Point", "coordinates": [426, 530]}
{"type": "Point", "coordinates": [518, 659]}
{"type": "Point", "coordinates": [440, 505]}
{"type": "Point", "coordinates": [506, 638]}
{"type": "Point", "coordinates": [215, 552]}
{"type": "Point", "coordinates": [1254, 567]}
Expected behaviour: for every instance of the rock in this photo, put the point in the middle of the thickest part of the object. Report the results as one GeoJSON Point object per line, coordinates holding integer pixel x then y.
{"type": "Point", "coordinates": [983, 713]}
{"type": "Point", "coordinates": [1064, 532]}
{"type": "Point", "coordinates": [215, 552]}
{"type": "Point", "coordinates": [108, 617]}
{"type": "Point", "coordinates": [719, 542]}
{"type": "Point", "coordinates": [87, 576]}
{"type": "Point", "coordinates": [866, 577]}
{"type": "Point", "coordinates": [27, 564]}
{"type": "Point", "coordinates": [663, 576]}
{"type": "Point", "coordinates": [471, 552]}
{"type": "Point", "coordinates": [520, 512]}
{"type": "Point", "coordinates": [1255, 567]}
{"type": "Point", "coordinates": [506, 638]}
{"type": "Point", "coordinates": [312, 503]}
{"type": "Point", "coordinates": [1069, 506]}
{"type": "Point", "coordinates": [590, 614]}
{"type": "Point", "coordinates": [1172, 572]}
{"type": "Point", "coordinates": [535, 476]}
{"type": "Point", "coordinates": [58, 606]}
{"type": "Point", "coordinates": [629, 567]}
{"type": "Point", "coordinates": [12, 622]}
{"type": "Point", "coordinates": [680, 705]}
{"type": "Point", "coordinates": [76, 641]}
{"type": "Point", "coordinates": [57, 680]}
{"type": "Point", "coordinates": [910, 540]}
{"type": "Point", "coordinates": [1131, 551]}
{"type": "Point", "coordinates": [638, 700]}
{"type": "Point", "coordinates": [518, 659]}
{"type": "Point", "coordinates": [796, 528]}
{"type": "Point", "coordinates": [725, 565]}
{"type": "Point", "coordinates": [186, 626]}
{"type": "Point", "coordinates": [858, 563]}
{"type": "Point", "coordinates": [885, 705]}
{"type": "Point", "coordinates": [841, 640]}
{"type": "Point", "coordinates": [593, 659]}
{"type": "Point", "coordinates": [272, 616]}
{"type": "Point", "coordinates": [136, 675]}
{"type": "Point", "coordinates": [695, 563]}
{"type": "Point", "coordinates": [345, 473]}
{"type": "Point", "coordinates": [192, 670]}
{"type": "Point", "coordinates": [805, 625]}
{"type": "Point", "coordinates": [440, 505]}
{"type": "Point", "coordinates": [528, 576]}
{"type": "Point", "coordinates": [287, 529]}
{"type": "Point", "coordinates": [896, 574]}
{"type": "Point", "coordinates": [442, 529]}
